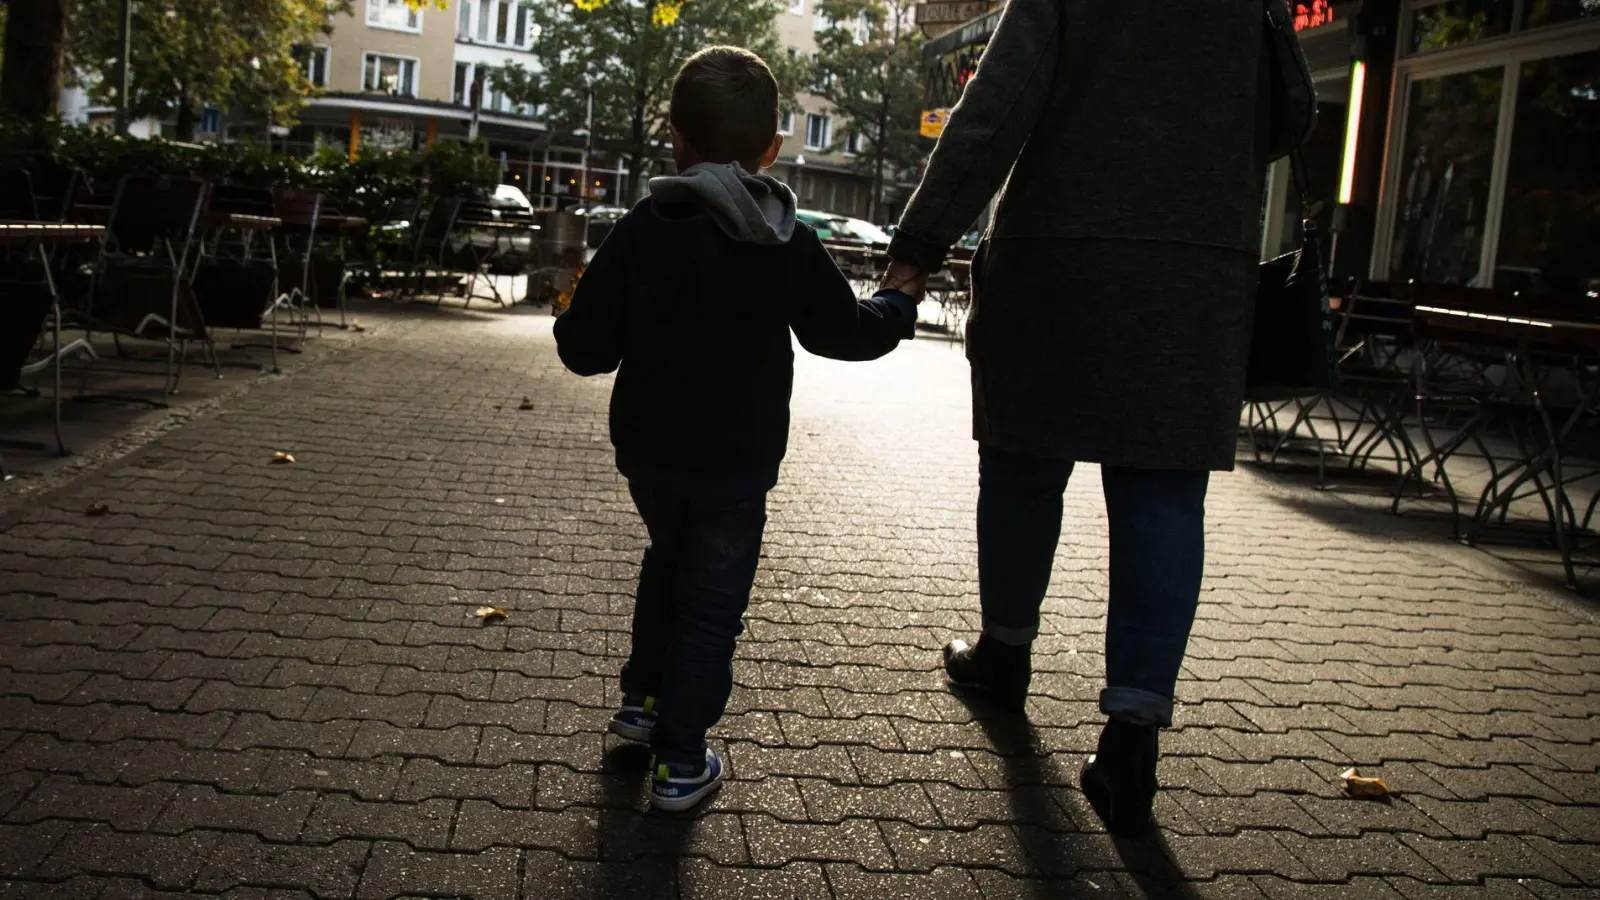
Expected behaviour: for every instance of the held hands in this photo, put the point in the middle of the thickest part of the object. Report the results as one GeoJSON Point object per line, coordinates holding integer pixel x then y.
{"type": "Point", "coordinates": [905, 278]}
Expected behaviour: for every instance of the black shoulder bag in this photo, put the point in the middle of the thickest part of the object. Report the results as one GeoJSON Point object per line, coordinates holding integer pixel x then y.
{"type": "Point", "coordinates": [1292, 346]}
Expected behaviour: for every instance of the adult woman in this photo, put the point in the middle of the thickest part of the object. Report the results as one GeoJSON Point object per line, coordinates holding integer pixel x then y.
{"type": "Point", "coordinates": [1110, 323]}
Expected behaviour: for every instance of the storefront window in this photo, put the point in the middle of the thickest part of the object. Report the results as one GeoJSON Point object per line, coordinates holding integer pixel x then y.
{"type": "Point", "coordinates": [1458, 22]}
{"type": "Point", "coordinates": [1550, 230]}
{"type": "Point", "coordinates": [1549, 12]}
{"type": "Point", "coordinates": [1444, 185]}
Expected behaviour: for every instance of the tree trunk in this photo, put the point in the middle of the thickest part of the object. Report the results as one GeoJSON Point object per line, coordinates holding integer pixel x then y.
{"type": "Point", "coordinates": [36, 35]}
{"type": "Point", "coordinates": [186, 119]}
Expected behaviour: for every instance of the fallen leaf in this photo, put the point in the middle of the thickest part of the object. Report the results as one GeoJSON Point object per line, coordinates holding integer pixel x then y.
{"type": "Point", "coordinates": [1358, 785]}
{"type": "Point", "coordinates": [490, 614]}
{"type": "Point", "coordinates": [355, 325]}
{"type": "Point", "coordinates": [282, 458]}
{"type": "Point", "coordinates": [97, 509]}
{"type": "Point", "coordinates": [527, 404]}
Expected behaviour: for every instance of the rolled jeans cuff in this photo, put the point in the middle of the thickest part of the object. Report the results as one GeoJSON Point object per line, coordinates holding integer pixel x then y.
{"type": "Point", "coordinates": [1133, 702]}
{"type": "Point", "coordinates": [1005, 634]}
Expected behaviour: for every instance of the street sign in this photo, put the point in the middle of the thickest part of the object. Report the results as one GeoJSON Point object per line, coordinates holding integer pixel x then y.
{"type": "Point", "coordinates": [210, 121]}
{"type": "Point", "coordinates": [950, 12]}
{"type": "Point", "coordinates": [933, 122]}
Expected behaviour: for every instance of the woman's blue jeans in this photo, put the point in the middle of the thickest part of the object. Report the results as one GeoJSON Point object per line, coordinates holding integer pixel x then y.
{"type": "Point", "coordinates": [1157, 520]}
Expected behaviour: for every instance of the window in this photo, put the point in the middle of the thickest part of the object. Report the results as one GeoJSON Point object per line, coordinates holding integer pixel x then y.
{"type": "Point", "coordinates": [464, 22]}
{"type": "Point", "coordinates": [1447, 158]}
{"type": "Point", "coordinates": [393, 14]}
{"type": "Point", "coordinates": [852, 143]}
{"type": "Point", "coordinates": [1549, 12]}
{"type": "Point", "coordinates": [786, 124]}
{"type": "Point", "coordinates": [820, 80]}
{"type": "Point", "coordinates": [485, 16]}
{"type": "Point", "coordinates": [819, 131]}
{"type": "Point", "coordinates": [1456, 22]}
{"type": "Point", "coordinates": [461, 95]}
{"type": "Point", "coordinates": [1548, 230]}
{"type": "Point", "coordinates": [393, 75]}
{"type": "Point", "coordinates": [502, 27]}
{"type": "Point", "coordinates": [314, 63]}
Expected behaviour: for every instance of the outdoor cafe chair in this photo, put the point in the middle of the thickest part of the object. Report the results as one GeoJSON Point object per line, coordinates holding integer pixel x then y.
{"type": "Point", "coordinates": [143, 282]}
{"type": "Point", "coordinates": [433, 244]}
{"type": "Point", "coordinates": [236, 281]}
{"type": "Point", "coordinates": [1368, 410]}
{"type": "Point", "coordinates": [300, 211]}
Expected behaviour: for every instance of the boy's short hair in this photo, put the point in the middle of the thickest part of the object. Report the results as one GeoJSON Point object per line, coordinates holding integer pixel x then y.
{"type": "Point", "coordinates": [725, 104]}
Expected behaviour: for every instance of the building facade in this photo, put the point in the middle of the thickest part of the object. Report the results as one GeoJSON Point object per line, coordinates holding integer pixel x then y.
{"type": "Point", "coordinates": [817, 161]}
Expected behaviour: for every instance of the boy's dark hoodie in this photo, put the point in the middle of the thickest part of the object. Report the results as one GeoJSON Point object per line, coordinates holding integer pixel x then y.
{"type": "Point", "coordinates": [693, 295]}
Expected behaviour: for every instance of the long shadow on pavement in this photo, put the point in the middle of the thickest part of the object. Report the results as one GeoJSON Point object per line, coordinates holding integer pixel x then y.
{"type": "Point", "coordinates": [639, 850]}
{"type": "Point", "coordinates": [1057, 839]}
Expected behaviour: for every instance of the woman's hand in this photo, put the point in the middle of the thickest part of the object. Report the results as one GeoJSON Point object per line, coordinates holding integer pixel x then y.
{"type": "Point", "coordinates": [905, 278]}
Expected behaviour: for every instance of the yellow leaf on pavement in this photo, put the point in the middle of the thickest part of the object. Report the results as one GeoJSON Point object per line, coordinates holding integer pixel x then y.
{"type": "Point", "coordinates": [282, 458]}
{"type": "Point", "coordinates": [490, 614]}
{"type": "Point", "coordinates": [1358, 785]}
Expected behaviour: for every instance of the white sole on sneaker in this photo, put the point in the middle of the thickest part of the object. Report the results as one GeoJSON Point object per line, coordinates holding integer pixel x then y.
{"type": "Point", "coordinates": [680, 804]}
{"type": "Point", "coordinates": [635, 733]}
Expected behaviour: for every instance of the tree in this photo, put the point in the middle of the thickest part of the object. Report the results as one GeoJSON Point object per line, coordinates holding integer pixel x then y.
{"type": "Point", "coordinates": [35, 34]}
{"type": "Point", "coordinates": [869, 65]}
{"type": "Point", "coordinates": [190, 53]}
{"type": "Point", "coordinates": [624, 54]}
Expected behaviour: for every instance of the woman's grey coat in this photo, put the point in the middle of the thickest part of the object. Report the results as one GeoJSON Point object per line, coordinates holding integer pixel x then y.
{"type": "Point", "coordinates": [1114, 290]}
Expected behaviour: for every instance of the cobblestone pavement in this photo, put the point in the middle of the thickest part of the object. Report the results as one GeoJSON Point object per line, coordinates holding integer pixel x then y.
{"type": "Point", "coordinates": [265, 681]}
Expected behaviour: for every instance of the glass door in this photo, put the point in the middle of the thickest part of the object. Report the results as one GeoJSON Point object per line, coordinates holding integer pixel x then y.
{"type": "Point", "coordinates": [1447, 163]}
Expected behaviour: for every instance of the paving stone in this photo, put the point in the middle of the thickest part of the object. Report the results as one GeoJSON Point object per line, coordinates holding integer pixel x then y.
{"type": "Point", "coordinates": [123, 808]}
{"type": "Point", "coordinates": [553, 876]}
{"type": "Point", "coordinates": [164, 861]}
{"type": "Point", "coordinates": [323, 872]}
{"type": "Point", "coordinates": [424, 826]}
{"type": "Point", "coordinates": [396, 869]}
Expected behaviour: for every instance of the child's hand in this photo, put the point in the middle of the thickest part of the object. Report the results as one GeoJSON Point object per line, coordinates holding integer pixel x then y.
{"type": "Point", "coordinates": [905, 278]}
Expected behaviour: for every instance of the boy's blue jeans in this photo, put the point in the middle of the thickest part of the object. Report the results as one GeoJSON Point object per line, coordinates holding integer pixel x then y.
{"type": "Point", "coordinates": [694, 587]}
{"type": "Point", "coordinates": [1157, 520]}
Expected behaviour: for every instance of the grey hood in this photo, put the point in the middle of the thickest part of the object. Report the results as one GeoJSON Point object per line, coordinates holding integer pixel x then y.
{"type": "Point", "coordinates": [756, 209]}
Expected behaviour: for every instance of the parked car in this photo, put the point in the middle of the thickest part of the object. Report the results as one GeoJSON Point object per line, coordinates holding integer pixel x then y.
{"type": "Point", "coordinates": [514, 251]}
{"type": "Point", "coordinates": [843, 229]}
{"type": "Point", "coordinates": [601, 219]}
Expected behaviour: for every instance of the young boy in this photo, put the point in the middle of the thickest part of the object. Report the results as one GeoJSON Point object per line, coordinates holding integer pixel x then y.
{"type": "Point", "coordinates": [693, 295]}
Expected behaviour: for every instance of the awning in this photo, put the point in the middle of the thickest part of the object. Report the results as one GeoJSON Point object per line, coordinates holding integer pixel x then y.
{"type": "Point", "coordinates": [977, 31]}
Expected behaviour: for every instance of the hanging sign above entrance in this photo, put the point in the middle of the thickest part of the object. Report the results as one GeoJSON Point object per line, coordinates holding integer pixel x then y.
{"type": "Point", "coordinates": [950, 12]}
{"type": "Point", "coordinates": [933, 122]}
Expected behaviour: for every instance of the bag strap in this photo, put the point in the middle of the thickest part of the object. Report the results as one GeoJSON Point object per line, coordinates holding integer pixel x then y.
{"type": "Point", "coordinates": [1297, 159]}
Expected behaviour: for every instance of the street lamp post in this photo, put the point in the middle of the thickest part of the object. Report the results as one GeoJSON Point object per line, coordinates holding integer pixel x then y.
{"type": "Point", "coordinates": [123, 73]}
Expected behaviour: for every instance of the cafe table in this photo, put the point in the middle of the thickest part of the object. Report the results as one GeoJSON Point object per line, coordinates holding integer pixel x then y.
{"type": "Point", "coordinates": [1530, 343]}
{"type": "Point", "coordinates": [43, 236]}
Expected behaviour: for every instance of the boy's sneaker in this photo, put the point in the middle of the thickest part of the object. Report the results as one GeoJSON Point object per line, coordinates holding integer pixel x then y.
{"type": "Point", "coordinates": [635, 720]}
{"type": "Point", "coordinates": [678, 787]}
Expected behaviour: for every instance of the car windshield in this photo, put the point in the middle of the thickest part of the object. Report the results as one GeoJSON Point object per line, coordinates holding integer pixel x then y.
{"type": "Point", "coordinates": [864, 230]}
{"type": "Point", "coordinates": [511, 195]}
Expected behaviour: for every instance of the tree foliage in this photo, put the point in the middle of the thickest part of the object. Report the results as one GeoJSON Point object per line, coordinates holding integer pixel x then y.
{"type": "Point", "coordinates": [625, 53]}
{"type": "Point", "coordinates": [869, 68]}
{"type": "Point", "coordinates": [192, 53]}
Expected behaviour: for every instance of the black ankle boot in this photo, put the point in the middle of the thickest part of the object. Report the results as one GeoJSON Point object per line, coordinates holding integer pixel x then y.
{"type": "Point", "coordinates": [1120, 778]}
{"type": "Point", "coordinates": [999, 671]}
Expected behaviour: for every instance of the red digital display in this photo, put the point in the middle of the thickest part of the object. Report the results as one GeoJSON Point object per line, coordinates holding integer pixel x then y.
{"type": "Point", "coordinates": [1313, 14]}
